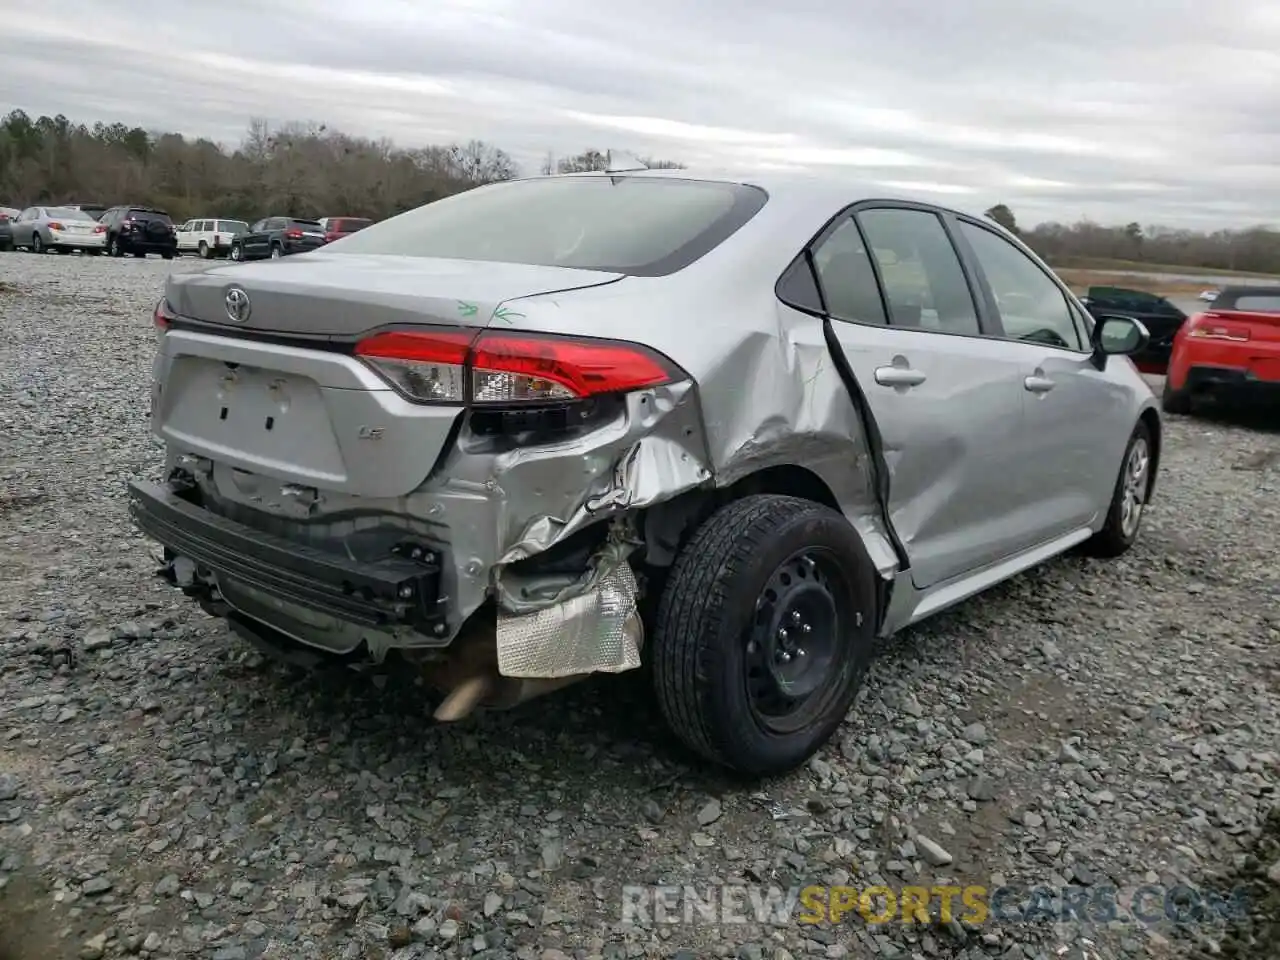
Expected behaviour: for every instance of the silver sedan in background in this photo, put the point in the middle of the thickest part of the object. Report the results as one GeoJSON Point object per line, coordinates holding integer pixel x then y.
{"type": "Point", "coordinates": [40, 229]}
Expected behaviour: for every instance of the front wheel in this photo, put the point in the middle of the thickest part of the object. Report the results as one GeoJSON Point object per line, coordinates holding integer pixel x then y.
{"type": "Point", "coordinates": [37, 244]}
{"type": "Point", "coordinates": [113, 247]}
{"type": "Point", "coordinates": [763, 632]}
{"type": "Point", "coordinates": [237, 253]}
{"type": "Point", "coordinates": [276, 252]}
{"type": "Point", "coordinates": [204, 250]}
{"type": "Point", "coordinates": [1124, 517]}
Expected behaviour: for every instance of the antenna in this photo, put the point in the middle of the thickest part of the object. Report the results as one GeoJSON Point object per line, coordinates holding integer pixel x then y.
{"type": "Point", "coordinates": [622, 162]}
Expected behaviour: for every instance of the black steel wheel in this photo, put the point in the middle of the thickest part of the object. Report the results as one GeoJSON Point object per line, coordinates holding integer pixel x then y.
{"type": "Point", "coordinates": [762, 633]}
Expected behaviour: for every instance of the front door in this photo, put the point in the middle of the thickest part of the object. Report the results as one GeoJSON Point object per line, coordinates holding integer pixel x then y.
{"type": "Point", "coordinates": [1071, 409]}
{"type": "Point", "coordinates": [947, 401]}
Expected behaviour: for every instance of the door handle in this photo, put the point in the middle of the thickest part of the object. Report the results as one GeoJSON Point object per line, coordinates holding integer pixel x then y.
{"type": "Point", "coordinates": [1038, 384]}
{"type": "Point", "coordinates": [899, 377]}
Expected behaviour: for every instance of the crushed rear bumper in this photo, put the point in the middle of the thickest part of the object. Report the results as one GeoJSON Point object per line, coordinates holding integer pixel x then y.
{"type": "Point", "coordinates": [398, 591]}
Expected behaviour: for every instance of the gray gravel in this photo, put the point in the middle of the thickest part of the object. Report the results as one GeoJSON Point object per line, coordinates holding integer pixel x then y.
{"type": "Point", "coordinates": [166, 793]}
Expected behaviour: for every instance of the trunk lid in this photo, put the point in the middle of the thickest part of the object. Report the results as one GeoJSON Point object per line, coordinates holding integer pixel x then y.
{"type": "Point", "coordinates": [328, 294]}
{"type": "Point", "coordinates": [274, 417]}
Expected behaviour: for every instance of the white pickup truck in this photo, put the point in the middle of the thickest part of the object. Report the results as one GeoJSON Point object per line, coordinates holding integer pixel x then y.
{"type": "Point", "coordinates": [209, 238]}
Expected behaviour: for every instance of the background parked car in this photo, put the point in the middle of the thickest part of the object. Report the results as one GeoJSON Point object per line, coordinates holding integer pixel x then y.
{"type": "Point", "coordinates": [41, 229]}
{"type": "Point", "coordinates": [278, 237]}
{"type": "Point", "coordinates": [1232, 349]}
{"type": "Point", "coordinates": [140, 230]}
{"type": "Point", "coordinates": [7, 214]}
{"type": "Point", "coordinates": [209, 238]}
{"type": "Point", "coordinates": [1161, 318]}
{"type": "Point", "coordinates": [335, 228]}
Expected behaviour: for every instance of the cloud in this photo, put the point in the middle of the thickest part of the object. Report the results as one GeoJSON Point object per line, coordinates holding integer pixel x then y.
{"type": "Point", "coordinates": [1110, 109]}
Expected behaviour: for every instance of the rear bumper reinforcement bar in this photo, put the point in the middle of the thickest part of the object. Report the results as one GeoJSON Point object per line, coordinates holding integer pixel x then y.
{"type": "Point", "coordinates": [382, 593]}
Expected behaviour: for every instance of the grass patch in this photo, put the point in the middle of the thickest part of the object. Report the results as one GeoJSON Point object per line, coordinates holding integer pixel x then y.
{"type": "Point", "coordinates": [1139, 266]}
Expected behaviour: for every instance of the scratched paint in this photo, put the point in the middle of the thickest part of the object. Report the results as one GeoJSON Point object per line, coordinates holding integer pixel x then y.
{"type": "Point", "coordinates": [505, 314]}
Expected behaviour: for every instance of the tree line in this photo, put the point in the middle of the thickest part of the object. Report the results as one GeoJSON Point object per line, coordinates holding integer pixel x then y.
{"type": "Point", "coordinates": [304, 170]}
{"type": "Point", "coordinates": [1086, 244]}
{"type": "Point", "coordinates": [309, 170]}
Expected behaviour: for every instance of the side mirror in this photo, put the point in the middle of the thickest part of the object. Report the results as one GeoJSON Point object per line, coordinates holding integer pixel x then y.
{"type": "Point", "coordinates": [1118, 336]}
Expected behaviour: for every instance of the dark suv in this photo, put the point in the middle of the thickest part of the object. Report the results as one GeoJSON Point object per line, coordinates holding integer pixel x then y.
{"type": "Point", "coordinates": [278, 237]}
{"type": "Point", "coordinates": [140, 230]}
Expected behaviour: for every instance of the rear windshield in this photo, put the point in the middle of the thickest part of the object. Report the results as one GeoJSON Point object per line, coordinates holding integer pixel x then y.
{"type": "Point", "coordinates": [643, 226]}
{"type": "Point", "coordinates": [1258, 302]}
{"type": "Point", "coordinates": [305, 224]}
{"type": "Point", "coordinates": [233, 226]}
{"type": "Point", "coordinates": [150, 215]}
{"type": "Point", "coordinates": [66, 213]}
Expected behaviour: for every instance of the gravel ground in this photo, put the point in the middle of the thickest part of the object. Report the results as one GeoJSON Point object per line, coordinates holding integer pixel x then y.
{"type": "Point", "coordinates": [165, 793]}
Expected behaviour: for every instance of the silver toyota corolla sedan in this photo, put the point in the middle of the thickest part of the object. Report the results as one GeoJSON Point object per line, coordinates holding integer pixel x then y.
{"type": "Point", "coordinates": [41, 229]}
{"type": "Point", "coordinates": [730, 428]}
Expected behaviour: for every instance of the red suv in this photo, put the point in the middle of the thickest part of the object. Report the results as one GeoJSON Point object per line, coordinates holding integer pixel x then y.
{"type": "Point", "coordinates": [335, 228]}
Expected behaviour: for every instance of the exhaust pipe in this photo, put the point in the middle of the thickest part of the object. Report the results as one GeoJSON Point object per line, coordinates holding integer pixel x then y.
{"type": "Point", "coordinates": [469, 678]}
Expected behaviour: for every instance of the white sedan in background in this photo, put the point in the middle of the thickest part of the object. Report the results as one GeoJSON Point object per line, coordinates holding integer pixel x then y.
{"type": "Point", "coordinates": [41, 229]}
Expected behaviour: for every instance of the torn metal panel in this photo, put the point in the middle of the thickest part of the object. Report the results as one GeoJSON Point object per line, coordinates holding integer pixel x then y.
{"type": "Point", "coordinates": [597, 631]}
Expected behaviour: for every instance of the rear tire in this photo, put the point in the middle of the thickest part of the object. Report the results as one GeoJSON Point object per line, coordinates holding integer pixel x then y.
{"type": "Point", "coordinates": [37, 245]}
{"type": "Point", "coordinates": [168, 255]}
{"type": "Point", "coordinates": [1175, 401]}
{"type": "Point", "coordinates": [1128, 502]}
{"type": "Point", "coordinates": [204, 250]}
{"type": "Point", "coordinates": [773, 595]}
{"type": "Point", "coordinates": [276, 252]}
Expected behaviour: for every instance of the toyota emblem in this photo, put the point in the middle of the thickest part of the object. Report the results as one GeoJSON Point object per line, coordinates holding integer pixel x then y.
{"type": "Point", "coordinates": [237, 305]}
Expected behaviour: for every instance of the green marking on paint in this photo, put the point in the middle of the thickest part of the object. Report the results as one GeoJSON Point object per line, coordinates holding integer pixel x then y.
{"type": "Point", "coordinates": [505, 314]}
{"type": "Point", "coordinates": [467, 309]}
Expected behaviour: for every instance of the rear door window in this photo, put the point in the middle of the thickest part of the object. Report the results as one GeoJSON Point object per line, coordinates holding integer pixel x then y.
{"type": "Point", "coordinates": [846, 277]}
{"type": "Point", "coordinates": [638, 225]}
{"type": "Point", "coordinates": [924, 284]}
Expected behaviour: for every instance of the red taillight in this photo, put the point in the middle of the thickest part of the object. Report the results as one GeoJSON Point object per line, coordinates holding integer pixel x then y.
{"type": "Point", "coordinates": [56, 225]}
{"type": "Point", "coordinates": [99, 229]}
{"type": "Point", "coordinates": [1207, 326]}
{"type": "Point", "coordinates": [163, 316]}
{"type": "Point", "coordinates": [453, 366]}
{"type": "Point", "coordinates": [293, 234]}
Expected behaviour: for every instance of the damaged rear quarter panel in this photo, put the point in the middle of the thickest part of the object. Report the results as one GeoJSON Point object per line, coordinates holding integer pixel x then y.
{"type": "Point", "coordinates": [767, 391]}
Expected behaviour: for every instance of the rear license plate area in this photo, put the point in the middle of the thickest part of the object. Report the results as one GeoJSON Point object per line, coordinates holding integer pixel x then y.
{"type": "Point", "coordinates": [253, 416]}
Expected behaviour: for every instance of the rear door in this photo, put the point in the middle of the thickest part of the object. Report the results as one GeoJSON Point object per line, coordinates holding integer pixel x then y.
{"type": "Point", "coordinates": [946, 400]}
{"type": "Point", "coordinates": [258, 243]}
{"type": "Point", "coordinates": [1076, 418]}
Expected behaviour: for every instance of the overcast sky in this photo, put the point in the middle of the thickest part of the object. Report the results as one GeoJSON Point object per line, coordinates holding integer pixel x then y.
{"type": "Point", "coordinates": [1161, 111]}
